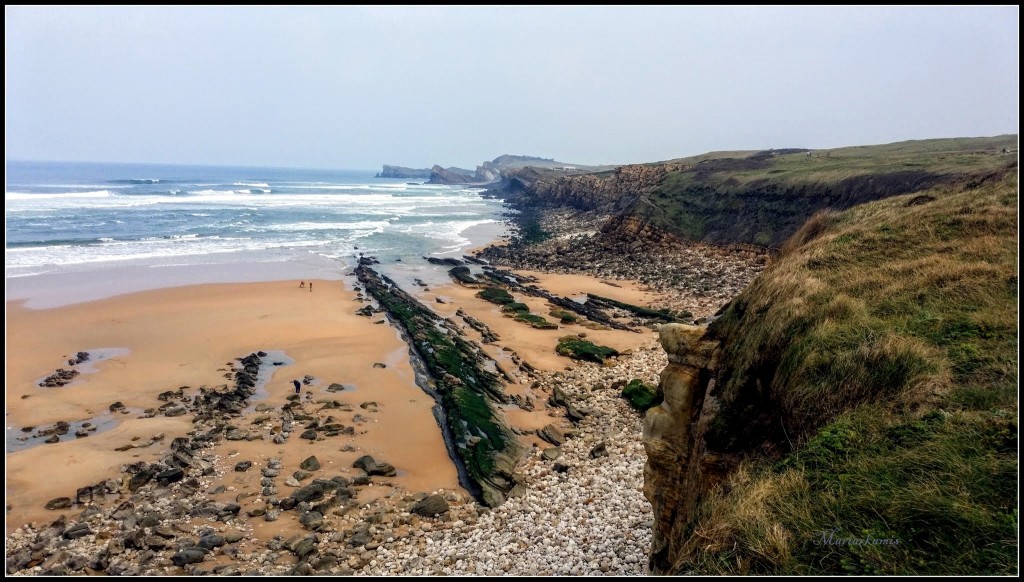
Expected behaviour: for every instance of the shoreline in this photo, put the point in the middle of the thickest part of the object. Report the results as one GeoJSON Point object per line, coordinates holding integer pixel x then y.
{"type": "Point", "coordinates": [182, 336]}
{"type": "Point", "coordinates": [73, 284]}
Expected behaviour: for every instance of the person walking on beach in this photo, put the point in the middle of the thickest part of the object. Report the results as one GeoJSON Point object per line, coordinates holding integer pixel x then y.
{"type": "Point", "coordinates": [310, 286]}
{"type": "Point", "coordinates": [302, 284]}
{"type": "Point", "coordinates": [298, 386]}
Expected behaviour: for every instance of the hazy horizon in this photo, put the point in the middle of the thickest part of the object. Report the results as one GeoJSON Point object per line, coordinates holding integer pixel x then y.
{"type": "Point", "coordinates": [356, 88]}
{"type": "Point", "coordinates": [468, 166]}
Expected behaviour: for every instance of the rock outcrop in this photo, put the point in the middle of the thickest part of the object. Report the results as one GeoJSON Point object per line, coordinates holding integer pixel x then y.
{"type": "Point", "coordinates": [673, 433]}
{"type": "Point", "coordinates": [439, 175]}
{"type": "Point", "coordinates": [491, 173]}
{"type": "Point", "coordinates": [605, 191]}
{"type": "Point", "coordinates": [454, 371]}
{"type": "Point", "coordinates": [404, 173]}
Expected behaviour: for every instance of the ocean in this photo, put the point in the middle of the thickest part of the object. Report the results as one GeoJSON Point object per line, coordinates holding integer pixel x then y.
{"type": "Point", "coordinates": [89, 217]}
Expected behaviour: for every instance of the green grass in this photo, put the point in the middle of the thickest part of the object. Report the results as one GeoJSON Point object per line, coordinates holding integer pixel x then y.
{"type": "Point", "coordinates": [869, 384]}
{"type": "Point", "coordinates": [762, 198]}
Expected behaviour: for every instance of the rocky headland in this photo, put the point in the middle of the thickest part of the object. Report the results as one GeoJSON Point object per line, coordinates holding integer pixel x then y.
{"type": "Point", "coordinates": [487, 174]}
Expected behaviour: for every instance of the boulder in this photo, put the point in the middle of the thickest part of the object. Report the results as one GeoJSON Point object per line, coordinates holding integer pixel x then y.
{"type": "Point", "coordinates": [58, 503]}
{"type": "Point", "coordinates": [311, 520]}
{"type": "Point", "coordinates": [311, 463]}
{"type": "Point", "coordinates": [170, 476]}
{"type": "Point", "coordinates": [551, 453]}
{"type": "Point", "coordinates": [188, 556]}
{"type": "Point", "coordinates": [311, 492]}
{"type": "Point", "coordinates": [552, 434]}
{"type": "Point", "coordinates": [303, 547]}
{"type": "Point", "coordinates": [430, 506]}
{"type": "Point", "coordinates": [372, 467]}
{"type": "Point", "coordinates": [208, 542]}
{"type": "Point", "coordinates": [77, 531]}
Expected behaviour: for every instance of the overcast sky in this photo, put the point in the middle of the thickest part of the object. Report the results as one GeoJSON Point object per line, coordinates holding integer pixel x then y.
{"type": "Point", "coordinates": [359, 87]}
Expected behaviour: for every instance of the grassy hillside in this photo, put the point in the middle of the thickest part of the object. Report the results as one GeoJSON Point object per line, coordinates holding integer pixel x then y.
{"type": "Point", "coordinates": [763, 197]}
{"type": "Point", "coordinates": [869, 377]}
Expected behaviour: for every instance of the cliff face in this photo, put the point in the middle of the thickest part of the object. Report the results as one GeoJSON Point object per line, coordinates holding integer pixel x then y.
{"type": "Point", "coordinates": [439, 175]}
{"type": "Point", "coordinates": [758, 198]}
{"type": "Point", "coordinates": [862, 388]}
{"type": "Point", "coordinates": [404, 173]}
{"type": "Point", "coordinates": [610, 191]}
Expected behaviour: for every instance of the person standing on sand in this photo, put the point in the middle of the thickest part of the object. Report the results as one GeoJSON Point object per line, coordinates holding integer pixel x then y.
{"type": "Point", "coordinates": [302, 284]}
{"type": "Point", "coordinates": [310, 286]}
{"type": "Point", "coordinates": [298, 386]}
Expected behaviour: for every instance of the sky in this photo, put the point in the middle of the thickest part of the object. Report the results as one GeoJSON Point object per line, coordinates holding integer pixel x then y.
{"type": "Point", "coordinates": [357, 87]}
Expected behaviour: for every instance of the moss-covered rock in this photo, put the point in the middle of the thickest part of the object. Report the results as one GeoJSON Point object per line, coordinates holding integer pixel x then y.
{"type": "Point", "coordinates": [563, 316]}
{"type": "Point", "coordinates": [465, 390]}
{"type": "Point", "coordinates": [578, 348]}
{"type": "Point", "coordinates": [496, 295]}
{"type": "Point", "coordinates": [515, 307]}
{"type": "Point", "coordinates": [645, 312]}
{"type": "Point", "coordinates": [534, 320]}
{"type": "Point", "coordinates": [640, 396]}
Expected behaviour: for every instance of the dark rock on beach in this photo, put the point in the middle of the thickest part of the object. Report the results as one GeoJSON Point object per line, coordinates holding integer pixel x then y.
{"type": "Point", "coordinates": [372, 467]}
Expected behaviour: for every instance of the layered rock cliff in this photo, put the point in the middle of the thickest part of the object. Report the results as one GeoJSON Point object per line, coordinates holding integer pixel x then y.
{"type": "Point", "coordinates": [609, 191]}
{"type": "Point", "coordinates": [758, 198]}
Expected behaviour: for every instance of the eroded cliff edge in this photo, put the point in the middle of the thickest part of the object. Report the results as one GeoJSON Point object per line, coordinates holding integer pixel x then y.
{"type": "Point", "coordinates": [855, 409]}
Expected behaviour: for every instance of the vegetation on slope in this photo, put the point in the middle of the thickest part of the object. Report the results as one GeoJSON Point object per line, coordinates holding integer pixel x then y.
{"type": "Point", "coordinates": [870, 385]}
{"type": "Point", "coordinates": [763, 197]}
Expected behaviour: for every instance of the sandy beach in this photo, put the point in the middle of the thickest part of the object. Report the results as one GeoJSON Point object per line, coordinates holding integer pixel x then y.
{"type": "Point", "coordinates": [190, 338]}
{"type": "Point", "coordinates": [183, 337]}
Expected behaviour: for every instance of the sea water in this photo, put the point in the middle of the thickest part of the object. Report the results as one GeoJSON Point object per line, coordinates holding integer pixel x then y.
{"type": "Point", "coordinates": [216, 223]}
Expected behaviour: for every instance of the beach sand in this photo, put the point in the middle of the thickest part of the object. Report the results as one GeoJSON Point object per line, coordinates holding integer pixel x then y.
{"type": "Point", "coordinates": [537, 346]}
{"type": "Point", "coordinates": [189, 336]}
{"type": "Point", "coordinates": [184, 336]}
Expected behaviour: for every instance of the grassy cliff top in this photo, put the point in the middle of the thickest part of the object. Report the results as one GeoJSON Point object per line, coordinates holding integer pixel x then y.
{"type": "Point", "coordinates": [869, 384]}
{"type": "Point", "coordinates": [799, 165]}
{"type": "Point", "coordinates": [763, 197]}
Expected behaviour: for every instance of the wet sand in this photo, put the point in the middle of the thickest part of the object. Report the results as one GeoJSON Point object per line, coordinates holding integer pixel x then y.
{"type": "Point", "coordinates": [537, 346]}
{"type": "Point", "coordinates": [184, 336]}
